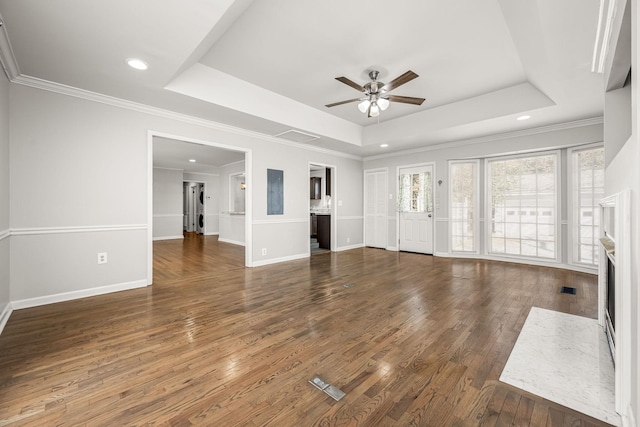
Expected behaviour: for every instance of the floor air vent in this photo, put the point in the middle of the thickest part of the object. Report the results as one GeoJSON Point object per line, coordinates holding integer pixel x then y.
{"type": "Point", "coordinates": [568, 290]}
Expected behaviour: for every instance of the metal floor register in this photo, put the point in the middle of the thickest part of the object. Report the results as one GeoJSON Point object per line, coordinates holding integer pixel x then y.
{"type": "Point", "coordinates": [332, 391]}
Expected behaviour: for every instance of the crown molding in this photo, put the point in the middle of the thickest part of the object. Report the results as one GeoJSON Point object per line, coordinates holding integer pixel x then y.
{"type": "Point", "coordinates": [49, 86]}
{"type": "Point", "coordinates": [62, 89]}
{"type": "Point", "coordinates": [202, 173]}
{"type": "Point", "coordinates": [7, 58]}
{"type": "Point", "coordinates": [497, 137]}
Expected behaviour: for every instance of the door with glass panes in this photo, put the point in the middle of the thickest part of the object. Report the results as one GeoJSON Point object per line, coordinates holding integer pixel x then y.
{"type": "Point", "coordinates": [415, 207]}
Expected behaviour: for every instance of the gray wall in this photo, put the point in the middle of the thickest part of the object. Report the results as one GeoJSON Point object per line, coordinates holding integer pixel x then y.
{"type": "Point", "coordinates": [167, 204]}
{"type": "Point", "coordinates": [232, 227]}
{"type": "Point", "coordinates": [4, 201]}
{"type": "Point", "coordinates": [457, 151]}
{"type": "Point", "coordinates": [90, 193]}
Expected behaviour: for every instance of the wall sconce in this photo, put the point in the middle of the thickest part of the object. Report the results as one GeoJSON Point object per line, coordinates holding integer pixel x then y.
{"type": "Point", "coordinates": [242, 186]}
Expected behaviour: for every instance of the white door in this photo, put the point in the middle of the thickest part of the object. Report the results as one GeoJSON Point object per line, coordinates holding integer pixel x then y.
{"type": "Point", "coordinates": [191, 208]}
{"type": "Point", "coordinates": [415, 202]}
{"type": "Point", "coordinates": [375, 202]}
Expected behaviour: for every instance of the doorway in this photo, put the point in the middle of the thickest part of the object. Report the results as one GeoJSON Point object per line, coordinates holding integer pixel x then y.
{"type": "Point", "coordinates": [187, 159]}
{"type": "Point", "coordinates": [415, 208]}
{"type": "Point", "coordinates": [322, 218]}
{"type": "Point", "coordinates": [193, 207]}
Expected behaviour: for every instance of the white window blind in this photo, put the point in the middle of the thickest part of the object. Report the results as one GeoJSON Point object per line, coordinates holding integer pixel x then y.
{"type": "Point", "coordinates": [463, 208]}
{"type": "Point", "coordinates": [523, 207]}
{"type": "Point", "coordinates": [588, 189]}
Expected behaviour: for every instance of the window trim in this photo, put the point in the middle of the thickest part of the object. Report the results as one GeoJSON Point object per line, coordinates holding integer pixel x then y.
{"type": "Point", "coordinates": [572, 220]}
{"type": "Point", "coordinates": [476, 207]}
{"type": "Point", "coordinates": [558, 207]}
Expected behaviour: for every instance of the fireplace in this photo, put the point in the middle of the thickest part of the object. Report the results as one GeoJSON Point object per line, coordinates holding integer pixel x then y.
{"type": "Point", "coordinates": [610, 306]}
{"type": "Point", "coordinates": [614, 289]}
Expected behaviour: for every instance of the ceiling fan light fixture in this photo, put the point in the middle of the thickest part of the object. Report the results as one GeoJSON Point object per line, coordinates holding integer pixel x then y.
{"type": "Point", "coordinates": [383, 103]}
{"type": "Point", "coordinates": [374, 110]}
{"type": "Point", "coordinates": [364, 106]}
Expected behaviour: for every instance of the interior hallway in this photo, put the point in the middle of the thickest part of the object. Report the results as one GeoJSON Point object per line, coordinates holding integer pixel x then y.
{"type": "Point", "coordinates": [410, 339]}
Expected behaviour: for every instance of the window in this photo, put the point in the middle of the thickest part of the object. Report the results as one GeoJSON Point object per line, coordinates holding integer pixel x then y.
{"type": "Point", "coordinates": [415, 194]}
{"type": "Point", "coordinates": [463, 207]}
{"type": "Point", "coordinates": [587, 167]}
{"type": "Point", "coordinates": [522, 206]}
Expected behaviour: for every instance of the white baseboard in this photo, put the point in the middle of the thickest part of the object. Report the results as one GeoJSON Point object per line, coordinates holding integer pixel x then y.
{"type": "Point", "coordinates": [630, 420]}
{"type": "Point", "coordinates": [84, 293]}
{"type": "Point", "coordinates": [168, 238]}
{"type": "Point", "coordinates": [277, 260]}
{"type": "Point", "coordinates": [4, 316]}
{"type": "Point", "coordinates": [213, 233]}
{"type": "Point", "coordinates": [348, 248]}
{"type": "Point", "coordinates": [392, 248]}
{"type": "Point", "coordinates": [233, 242]}
{"type": "Point", "coordinates": [518, 261]}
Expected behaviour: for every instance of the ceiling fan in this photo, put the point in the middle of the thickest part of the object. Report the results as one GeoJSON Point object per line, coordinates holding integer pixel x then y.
{"type": "Point", "coordinates": [375, 93]}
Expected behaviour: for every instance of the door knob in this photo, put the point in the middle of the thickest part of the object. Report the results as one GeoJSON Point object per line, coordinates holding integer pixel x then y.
{"type": "Point", "coordinates": [429, 215]}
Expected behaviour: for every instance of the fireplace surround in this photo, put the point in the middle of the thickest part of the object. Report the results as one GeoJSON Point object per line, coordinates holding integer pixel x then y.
{"type": "Point", "coordinates": [614, 289]}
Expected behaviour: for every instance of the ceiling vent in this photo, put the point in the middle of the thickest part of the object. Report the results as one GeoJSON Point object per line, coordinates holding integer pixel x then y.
{"type": "Point", "coordinates": [297, 136]}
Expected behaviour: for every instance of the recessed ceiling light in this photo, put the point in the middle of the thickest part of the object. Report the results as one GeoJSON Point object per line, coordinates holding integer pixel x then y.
{"type": "Point", "coordinates": [525, 117]}
{"type": "Point", "coordinates": [138, 64]}
{"type": "Point", "coordinates": [192, 160]}
{"type": "Point", "coordinates": [384, 145]}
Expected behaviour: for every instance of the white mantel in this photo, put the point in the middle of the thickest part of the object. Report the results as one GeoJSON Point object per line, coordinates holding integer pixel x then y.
{"type": "Point", "coordinates": [615, 227]}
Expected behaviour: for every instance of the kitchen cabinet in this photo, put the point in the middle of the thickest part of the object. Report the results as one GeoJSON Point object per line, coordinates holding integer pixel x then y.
{"type": "Point", "coordinates": [328, 182]}
{"type": "Point", "coordinates": [315, 192]}
{"type": "Point", "coordinates": [324, 231]}
{"type": "Point", "coordinates": [314, 225]}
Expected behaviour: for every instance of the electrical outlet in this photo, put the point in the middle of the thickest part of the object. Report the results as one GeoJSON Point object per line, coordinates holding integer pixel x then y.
{"type": "Point", "coordinates": [102, 257]}
{"type": "Point", "coordinates": [264, 251]}
{"type": "Point", "coordinates": [391, 196]}
{"type": "Point", "coordinates": [348, 239]}
{"type": "Point", "coordinates": [339, 202]}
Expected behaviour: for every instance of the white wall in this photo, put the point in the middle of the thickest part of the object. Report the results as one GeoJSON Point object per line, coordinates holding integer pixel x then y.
{"type": "Point", "coordinates": [89, 194]}
{"type": "Point", "coordinates": [232, 225]}
{"type": "Point", "coordinates": [212, 199]}
{"type": "Point", "coordinates": [456, 151]}
{"type": "Point", "coordinates": [5, 266]}
{"type": "Point", "coordinates": [622, 152]}
{"type": "Point", "coordinates": [617, 127]}
{"type": "Point", "coordinates": [167, 204]}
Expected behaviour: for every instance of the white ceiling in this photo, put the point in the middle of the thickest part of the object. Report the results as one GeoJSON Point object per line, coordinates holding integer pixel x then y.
{"type": "Point", "coordinates": [270, 66]}
{"type": "Point", "coordinates": [173, 154]}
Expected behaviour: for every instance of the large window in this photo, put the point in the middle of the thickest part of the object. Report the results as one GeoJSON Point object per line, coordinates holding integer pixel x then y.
{"type": "Point", "coordinates": [523, 199]}
{"type": "Point", "coordinates": [463, 207]}
{"type": "Point", "coordinates": [587, 166]}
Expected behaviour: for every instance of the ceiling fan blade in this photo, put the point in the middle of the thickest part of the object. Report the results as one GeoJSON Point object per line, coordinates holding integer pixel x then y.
{"type": "Point", "coordinates": [399, 81]}
{"type": "Point", "coordinates": [343, 102]}
{"type": "Point", "coordinates": [405, 99]}
{"type": "Point", "coordinates": [351, 83]}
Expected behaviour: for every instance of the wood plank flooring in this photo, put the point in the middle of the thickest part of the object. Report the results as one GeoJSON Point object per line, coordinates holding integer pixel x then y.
{"type": "Point", "coordinates": [413, 340]}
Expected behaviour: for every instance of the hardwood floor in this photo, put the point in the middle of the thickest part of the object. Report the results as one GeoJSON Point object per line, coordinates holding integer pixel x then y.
{"type": "Point", "coordinates": [411, 339]}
